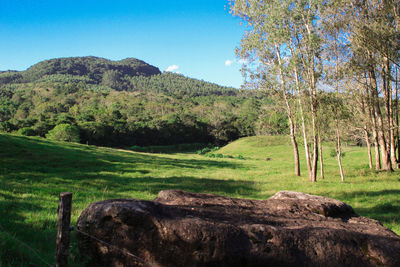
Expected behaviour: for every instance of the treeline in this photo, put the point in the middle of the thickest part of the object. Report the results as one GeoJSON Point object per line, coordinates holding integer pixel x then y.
{"type": "Point", "coordinates": [180, 86]}
{"type": "Point", "coordinates": [336, 66]}
{"type": "Point", "coordinates": [141, 110]}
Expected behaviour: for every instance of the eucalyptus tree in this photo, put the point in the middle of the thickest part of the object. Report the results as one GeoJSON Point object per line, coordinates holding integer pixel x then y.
{"type": "Point", "coordinates": [284, 39]}
{"type": "Point", "coordinates": [336, 52]}
{"type": "Point", "coordinates": [374, 39]}
{"type": "Point", "coordinates": [263, 46]}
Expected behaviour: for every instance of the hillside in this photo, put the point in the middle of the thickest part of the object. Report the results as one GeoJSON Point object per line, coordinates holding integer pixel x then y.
{"type": "Point", "coordinates": [129, 102]}
{"type": "Point", "coordinates": [257, 147]}
{"type": "Point", "coordinates": [90, 69]}
{"type": "Point", "coordinates": [34, 171]}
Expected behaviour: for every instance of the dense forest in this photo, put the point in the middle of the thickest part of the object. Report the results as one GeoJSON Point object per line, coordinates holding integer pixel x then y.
{"type": "Point", "coordinates": [129, 102]}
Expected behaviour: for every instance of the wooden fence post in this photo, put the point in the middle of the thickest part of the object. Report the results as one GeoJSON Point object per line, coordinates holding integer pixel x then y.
{"type": "Point", "coordinates": [64, 219]}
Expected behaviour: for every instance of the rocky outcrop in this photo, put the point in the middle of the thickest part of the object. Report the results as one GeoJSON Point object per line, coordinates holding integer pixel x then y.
{"type": "Point", "coordinates": [187, 229]}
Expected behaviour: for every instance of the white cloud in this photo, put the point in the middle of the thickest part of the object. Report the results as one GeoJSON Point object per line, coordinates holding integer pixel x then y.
{"type": "Point", "coordinates": [242, 61]}
{"type": "Point", "coordinates": [172, 68]}
{"type": "Point", "coordinates": [228, 62]}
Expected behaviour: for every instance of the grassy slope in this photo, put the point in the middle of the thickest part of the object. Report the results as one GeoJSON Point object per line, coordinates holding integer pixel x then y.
{"type": "Point", "coordinates": [34, 171]}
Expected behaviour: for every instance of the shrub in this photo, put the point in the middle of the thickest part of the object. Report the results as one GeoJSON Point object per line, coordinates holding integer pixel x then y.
{"type": "Point", "coordinates": [27, 131]}
{"type": "Point", "coordinates": [64, 132]}
{"type": "Point", "coordinates": [207, 150]}
{"type": "Point", "coordinates": [333, 154]}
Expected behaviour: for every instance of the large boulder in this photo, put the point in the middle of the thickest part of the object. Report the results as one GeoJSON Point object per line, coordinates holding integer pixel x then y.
{"type": "Point", "coordinates": [187, 229]}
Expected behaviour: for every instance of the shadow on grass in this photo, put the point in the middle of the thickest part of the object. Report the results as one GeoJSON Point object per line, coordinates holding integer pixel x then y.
{"type": "Point", "coordinates": [42, 168]}
{"type": "Point", "coordinates": [54, 155]}
{"type": "Point", "coordinates": [386, 211]}
{"type": "Point", "coordinates": [33, 172]}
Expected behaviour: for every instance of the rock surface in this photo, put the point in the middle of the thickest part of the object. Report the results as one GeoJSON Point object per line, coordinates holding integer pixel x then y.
{"type": "Point", "coordinates": [187, 229]}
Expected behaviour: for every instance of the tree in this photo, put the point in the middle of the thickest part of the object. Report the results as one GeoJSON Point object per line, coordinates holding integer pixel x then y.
{"type": "Point", "coordinates": [283, 41]}
{"type": "Point", "coordinates": [64, 132]}
{"type": "Point", "coordinates": [374, 40]}
{"type": "Point", "coordinates": [335, 52]}
{"type": "Point", "coordinates": [263, 46]}
{"type": "Point", "coordinates": [111, 78]}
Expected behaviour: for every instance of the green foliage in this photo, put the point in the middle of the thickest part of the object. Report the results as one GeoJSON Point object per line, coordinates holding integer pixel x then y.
{"type": "Point", "coordinates": [65, 79]}
{"type": "Point", "coordinates": [177, 85]}
{"type": "Point", "coordinates": [128, 103]}
{"type": "Point", "coordinates": [111, 78]}
{"type": "Point", "coordinates": [273, 123]}
{"type": "Point", "coordinates": [120, 104]}
{"type": "Point", "coordinates": [7, 126]}
{"type": "Point", "coordinates": [9, 77]}
{"type": "Point", "coordinates": [27, 131]}
{"type": "Point", "coordinates": [207, 150]}
{"type": "Point", "coordinates": [64, 132]}
{"type": "Point", "coordinates": [91, 67]}
{"type": "Point", "coordinates": [220, 156]}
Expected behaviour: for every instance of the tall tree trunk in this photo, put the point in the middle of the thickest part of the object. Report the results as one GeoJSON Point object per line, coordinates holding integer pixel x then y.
{"type": "Point", "coordinates": [396, 13]}
{"type": "Point", "coordinates": [339, 156]}
{"type": "Point", "coordinates": [295, 150]}
{"type": "Point", "coordinates": [321, 158]}
{"type": "Point", "coordinates": [392, 127]}
{"type": "Point", "coordinates": [309, 64]}
{"type": "Point", "coordinates": [338, 141]}
{"type": "Point", "coordinates": [378, 165]}
{"type": "Point", "coordinates": [315, 159]}
{"type": "Point", "coordinates": [392, 138]}
{"type": "Point", "coordinates": [387, 86]}
{"type": "Point", "coordinates": [315, 136]}
{"type": "Point", "coordinates": [303, 125]}
{"type": "Point", "coordinates": [397, 115]}
{"type": "Point", "coordinates": [368, 146]}
{"type": "Point", "coordinates": [365, 102]}
{"type": "Point", "coordinates": [387, 166]}
{"type": "Point", "coordinates": [372, 118]}
{"type": "Point", "coordinates": [290, 116]}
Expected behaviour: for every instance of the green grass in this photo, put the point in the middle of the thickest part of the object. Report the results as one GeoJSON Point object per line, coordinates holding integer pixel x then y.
{"type": "Point", "coordinates": [34, 171]}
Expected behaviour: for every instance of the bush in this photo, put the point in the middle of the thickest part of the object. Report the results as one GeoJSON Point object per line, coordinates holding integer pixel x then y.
{"type": "Point", "coordinates": [333, 153]}
{"type": "Point", "coordinates": [27, 131]}
{"type": "Point", "coordinates": [64, 132]}
{"type": "Point", "coordinates": [207, 150]}
{"type": "Point", "coordinates": [6, 126]}
{"type": "Point", "coordinates": [219, 155]}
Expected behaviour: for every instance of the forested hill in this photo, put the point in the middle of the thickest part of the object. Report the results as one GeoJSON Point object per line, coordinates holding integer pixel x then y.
{"type": "Point", "coordinates": [129, 74]}
{"type": "Point", "coordinates": [90, 69]}
{"type": "Point", "coordinates": [129, 102]}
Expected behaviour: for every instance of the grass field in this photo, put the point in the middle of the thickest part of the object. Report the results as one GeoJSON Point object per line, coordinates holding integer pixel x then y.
{"type": "Point", "coordinates": [34, 171]}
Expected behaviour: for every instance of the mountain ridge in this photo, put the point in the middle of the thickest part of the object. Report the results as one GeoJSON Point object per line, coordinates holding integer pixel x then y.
{"type": "Point", "coordinates": [95, 68]}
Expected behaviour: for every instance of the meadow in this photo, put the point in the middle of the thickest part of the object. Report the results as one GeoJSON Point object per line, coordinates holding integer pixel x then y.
{"type": "Point", "coordinates": [33, 171]}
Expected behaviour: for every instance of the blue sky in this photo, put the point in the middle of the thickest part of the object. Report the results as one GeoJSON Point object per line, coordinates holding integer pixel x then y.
{"type": "Point", "coordinates": [195, 38]}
